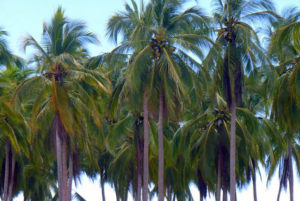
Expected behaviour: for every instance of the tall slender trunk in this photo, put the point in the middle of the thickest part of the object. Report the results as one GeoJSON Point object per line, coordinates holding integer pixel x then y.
{"type": "Point", "coordinates": [65, 170]}
{"type": "Point", "coordinates": [70, 179]}
{"type": "Point", "coordinates": [254, 182]}
{"type": "Point", "coordinates": [168, 192]}
{"type": "Point", "coordinates": [146, 149]}
{"type": "Point", "coordinates": [225, 193]}
{"type": "Point", "coordinates": [174, 197]}
{"type": "Point", "coordinates": [218, 194]}
{"type": "Point", "coordinates": [126, 192]}
{"type": "Point", "coordinates": [279, 191]}
{"type": "Point", "coordinates": [232, 150]}
{"type": "Point", "coordinates": [59, 162]}
{"type": "Point", "coordinates": [291, 176]}
{"type": "Point", "coordinates": [139, 172]}
{"type": "Point", "coordinates": [139, 187]}
{"type": "Point", "coordinates": [160, 149]}
{"type": "Point", "coordinates": [102, 184]}
{"type": "Point", "coordinates": [117, 196]}
{"type": "Point", "coordinates": [12, 174]}
{"type": "Point", "coordinates": [6, 177]}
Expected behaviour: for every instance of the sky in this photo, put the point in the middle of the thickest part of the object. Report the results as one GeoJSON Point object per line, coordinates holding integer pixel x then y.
{"type": "Point", "coordinates": [22, 17]}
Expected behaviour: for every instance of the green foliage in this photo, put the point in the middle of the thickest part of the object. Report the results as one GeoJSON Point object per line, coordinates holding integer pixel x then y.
{"type": "Point", "coordinates": [199, 63]}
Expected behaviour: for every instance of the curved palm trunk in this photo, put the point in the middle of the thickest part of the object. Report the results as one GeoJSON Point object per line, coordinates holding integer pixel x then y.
{"type": "Point", "coordinates": [291, 177]}
{"type": "Point", "coordinates": [279, 191]}
{"type": "Point", "coordinates": [160, 150]}
{"type": "Point", "coordinates": [232, 151]}
{"type": "Point", "coordinates": [146, 149]}
{"type": "Point", "coordinates": [6, 177]}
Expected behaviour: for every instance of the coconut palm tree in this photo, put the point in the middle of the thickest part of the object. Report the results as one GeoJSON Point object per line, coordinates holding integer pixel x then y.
{"type": "Point", "coordinates": [239, 44]}
{"type": "Point", "coordinates": [153, 33]}
{"type": "Point", "coordinates": [14, 131]}
{"type": "Point", "coordinates": [59, 92]}
{"type": "Point", "coordinates": [6, 56]}
{"type": "Point", "coordinates": [7, 59]}
{"type": "Point", "coordinates": [285, 48]}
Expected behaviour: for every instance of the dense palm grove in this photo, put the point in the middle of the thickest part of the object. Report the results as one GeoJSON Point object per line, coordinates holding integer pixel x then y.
{"type": "Point", "coordinates": [185, 98]}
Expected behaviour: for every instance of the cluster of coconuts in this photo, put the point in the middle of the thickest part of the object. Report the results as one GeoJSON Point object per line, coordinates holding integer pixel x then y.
{"type": "Point", "coordinates": [157, 46]}
{"type": "Point", "coordinates": [58, 71]}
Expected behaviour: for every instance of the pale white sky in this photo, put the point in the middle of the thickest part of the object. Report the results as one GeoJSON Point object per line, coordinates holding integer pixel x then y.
{"type": "Point", "coordinates": [22, 17]}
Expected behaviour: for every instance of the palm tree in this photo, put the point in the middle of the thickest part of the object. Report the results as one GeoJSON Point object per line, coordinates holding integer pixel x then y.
{"type": "Point", "coordinates": [162, 25]}
{"type": "Point", "coordinates": [240, 46]}
{"type": "Point", "coordinates": [59, 92]}
{"type": "Point", "coordinates": [7, 59]}
{"type": "Point", "coordinates": [5, 55]}
{"type": "Point", "coordinates": [285, 49]}
{"type": "Point", "coordinates": [14, 131]}
{"type": "Point", "coordinates": [134, 24]}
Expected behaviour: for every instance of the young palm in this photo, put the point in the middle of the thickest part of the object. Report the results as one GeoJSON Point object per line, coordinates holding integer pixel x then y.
{"type": "Point", "coordinates": [59, 92]}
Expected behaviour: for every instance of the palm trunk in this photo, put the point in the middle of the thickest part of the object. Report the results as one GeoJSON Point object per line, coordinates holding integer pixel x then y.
{"type": "Point", "coordinates": [138, 153]}
{"type": "Point", "coordinates": [160, 150]}
{"type": "Point", "coordinates": [117, 195]}
{"type": "Point", "coordinates": [11, 183]}
{"type": "Point", "coordinates": [102, 185]}
{"type": "Point", "coordinates": [174, 197]}
{"type": "Point", "coordinates": [254, 183]}
{"type": "Point", "coordinates": [218, 194]}
{"type": "Point", "coordinates": [225, 193]}
{"type": "Point", "coordinates": [139, 185]}
{"type": "Point", "coordinates": [291, 177]}
{"type": "Point", "coordinates": [59, 161]}
{"type": "Point", "coordinates": [279, 191]}
{"type": "Point", "coordinates": [232, 150]}
{"type": "Point", "coordinates": [146, 149]}
{"type": "Point", "coordinates": [65, 170]}
{"type": "Point", "coordinates": [70, 179]}
{"type": "Point", "coordinates": [169, 196]}
{"type": "Point", "coordinates": [126, 192]}
{"type": "Point", "coordinates": [6, 177]}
